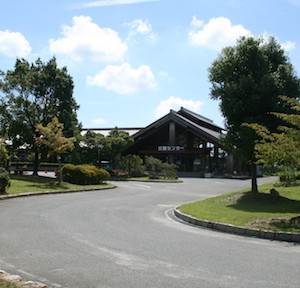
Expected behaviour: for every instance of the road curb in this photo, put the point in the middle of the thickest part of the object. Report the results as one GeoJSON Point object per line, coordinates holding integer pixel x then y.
{"type": "Point", "coordinates": [227, 228]}
{"type": "Point", "coordinates": [52, 192]}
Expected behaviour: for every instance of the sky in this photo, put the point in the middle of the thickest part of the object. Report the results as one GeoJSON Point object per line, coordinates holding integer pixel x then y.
{"type": "Point", "coordinates": [133, 60]}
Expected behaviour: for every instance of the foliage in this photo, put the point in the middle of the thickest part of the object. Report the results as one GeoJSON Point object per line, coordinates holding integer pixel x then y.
{"type": "Point", "coordinates": [281, 149]}
{"type": "Point", "coordinates": [4, 181]}
{"type": "Point", "coordinates": [83, 174]}
{"type": "Point", "coordinates": [156, 168]}
{"type": "Point", "coordinates": [91, 149]}
{"type": "Point", "coordinates": [133, 164]}
{"type": "Point", "coordinates": [33, 94]}
{"type": "Point", "coordinates": [52, 137]}
{"type": "Point", "coordinates": [153, 167]}
{"type": "Point", "coordinates": [3, 153]}
{"type": "Point", "coordinates": [94, 147]}
{"type": "Point", "coordinates": [169, 171]}
{"type": "Point", "coordinates": [117, 141]}
{"type": "Point", "coordinates": [247, 79]}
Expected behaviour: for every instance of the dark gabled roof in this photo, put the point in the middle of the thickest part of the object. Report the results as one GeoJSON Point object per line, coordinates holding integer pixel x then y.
{"type": "Point", "coordinates": [187, 119]}
{"type": "Point", "coordinates": [199, 119]}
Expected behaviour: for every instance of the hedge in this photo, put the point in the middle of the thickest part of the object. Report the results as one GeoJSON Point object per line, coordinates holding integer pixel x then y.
{"type": "Point", "coordinates": [84, 174]}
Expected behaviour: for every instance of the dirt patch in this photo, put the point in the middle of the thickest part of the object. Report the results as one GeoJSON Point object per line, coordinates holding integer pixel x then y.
{"type": "Point", "coordinates": [277, 224]}
{"type": "Point", "coordinates": [19, 282]}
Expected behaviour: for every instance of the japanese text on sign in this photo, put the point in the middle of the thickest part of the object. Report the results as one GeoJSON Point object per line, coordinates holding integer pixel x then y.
{"type": "Point", "coordinates": [170, 148]}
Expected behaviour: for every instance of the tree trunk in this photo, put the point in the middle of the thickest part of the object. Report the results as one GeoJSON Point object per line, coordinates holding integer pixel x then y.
{"type": "Point", "coordinates": [254, 187]}
{"type": "Point", "coordinates": [59, 169]}
{"type": "Point", "coordinates": [36, 162]}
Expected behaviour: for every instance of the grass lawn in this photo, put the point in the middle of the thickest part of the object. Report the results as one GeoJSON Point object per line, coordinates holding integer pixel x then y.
{"type": "Point", "coordinates": [24, 184]}
{"type": "Point", "coordinates": [262, 211]}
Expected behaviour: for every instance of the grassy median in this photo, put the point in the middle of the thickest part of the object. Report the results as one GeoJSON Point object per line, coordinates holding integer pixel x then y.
{"type": "Point", "coordinates": [25, 184]}
{"type": "Point", "coordinates": [245, 209]}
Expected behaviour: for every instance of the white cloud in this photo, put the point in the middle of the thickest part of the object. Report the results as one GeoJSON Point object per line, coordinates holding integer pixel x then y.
{"type": "Point", "coordinates": [288, 46]}
{"type": "Point", "coordinates": [175, 103]}
{"type": "Point", "coordinates": [124, 79]}
{"type": "Point", "coordinates": [13, 44]}
{"type": "Point", "coordinates": [141, 27]}
{"type": "Point", "coordinates": [99, 121]}
{"type": "Point", "coordinates": [102, 3]}
{"type": "Point", "coordinates": [85, 40]}
{"type": "Point", "coordinates": [196, 23]}
{"type": "Point", "coordinates": [216, 34]}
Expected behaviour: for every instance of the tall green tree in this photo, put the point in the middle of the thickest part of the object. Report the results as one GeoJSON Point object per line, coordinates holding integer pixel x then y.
{"type": "Point", "coordinates": [33, 94]}
{"type": "Point", "coordinates": [247, 79]}
{"type": "Point", "coordinates": [52, 137]}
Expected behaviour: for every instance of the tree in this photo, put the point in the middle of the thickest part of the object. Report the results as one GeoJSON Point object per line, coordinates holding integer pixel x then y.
{"type": "Point", "coordinates": [281, 149]}
{"type": "Point", "coordinates": [91, 149]}
{"type": "Point", "coordinates": [33, 94]}
{"type": "Point", "coordinates": [247, 79]}
{"type": "Point", "coordinates": [118, 141]}
{"type": "Point", "coordinates": [52, 137]}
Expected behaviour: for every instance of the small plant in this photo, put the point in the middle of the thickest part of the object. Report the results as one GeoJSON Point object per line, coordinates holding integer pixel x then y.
{"type": "Point", "coordinates": [4, 181]}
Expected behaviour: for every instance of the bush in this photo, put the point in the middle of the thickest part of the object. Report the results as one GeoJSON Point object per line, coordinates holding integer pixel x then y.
{"type": "Point", "coordinates": [4, 180]}
{"type": "Point", "coordinates": [169, 171]}
{"type": "Point", "coordinates": [156, 169]}
{"type": "Point", "coordinates": [289, 179]}
{"type": "Point", "coordinates": [133, 164]}
{"type": "Point", "coordinates": [84, 174]}
{"type": "Point", "coordinates": [153, 167]}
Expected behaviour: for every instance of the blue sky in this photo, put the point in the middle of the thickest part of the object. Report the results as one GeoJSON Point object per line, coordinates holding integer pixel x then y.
{"type": "Point", "coordinates": [134, 60]}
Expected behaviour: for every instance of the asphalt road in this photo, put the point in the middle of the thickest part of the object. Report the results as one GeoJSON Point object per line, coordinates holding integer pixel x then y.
{"type": "Point", "coordinates": [123, 237]}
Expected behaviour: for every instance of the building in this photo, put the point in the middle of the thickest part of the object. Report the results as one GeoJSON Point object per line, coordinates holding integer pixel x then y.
{"type": "Point", "coordinates": [187, 139]}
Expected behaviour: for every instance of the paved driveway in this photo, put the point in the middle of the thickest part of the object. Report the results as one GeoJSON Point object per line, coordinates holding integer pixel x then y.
{"type": "Point", "coordinates": [124, 238]}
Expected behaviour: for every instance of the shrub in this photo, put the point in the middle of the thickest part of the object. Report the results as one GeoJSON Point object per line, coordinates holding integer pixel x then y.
{"type": "Point", "coordinates": [156, 169]}
{"type": "Point", "coordinates": [4, 180]}
{"type": "Point", "coordinates": [153, 167]}
{"type": "Point", "coordinates": [133, 164]}
{"type": "Point", "coordinates": [289, 179]}
{"type": "Point", "coordinates": [68, 172]}
{"type": "Point", "coordinates": [84, 174]}
{"type": "Point", "coordinates": [169, 171]}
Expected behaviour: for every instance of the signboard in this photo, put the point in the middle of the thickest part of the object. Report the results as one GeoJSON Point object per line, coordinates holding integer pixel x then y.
{"type": "Point", "coordinates": [170, 148]}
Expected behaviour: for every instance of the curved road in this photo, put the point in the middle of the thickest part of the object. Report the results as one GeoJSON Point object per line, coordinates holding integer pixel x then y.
{"type": "Point", "coordinates": [123, 237]}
